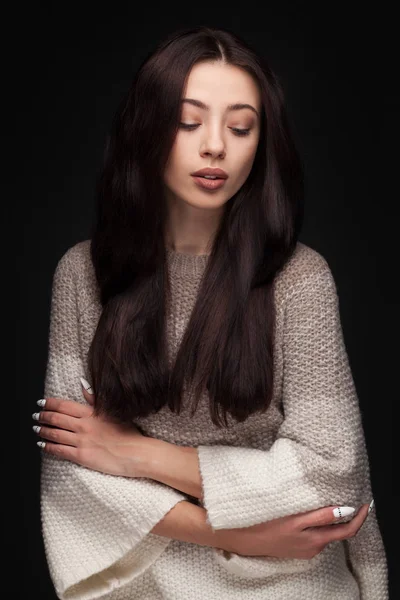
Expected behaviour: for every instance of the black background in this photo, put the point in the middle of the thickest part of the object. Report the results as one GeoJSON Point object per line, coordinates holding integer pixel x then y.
{"type": "Point", "coordinates": [337, 64]}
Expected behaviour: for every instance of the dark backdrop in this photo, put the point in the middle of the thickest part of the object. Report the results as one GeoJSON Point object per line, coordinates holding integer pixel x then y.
{"type": "Point", "coordinates": [338, 70]}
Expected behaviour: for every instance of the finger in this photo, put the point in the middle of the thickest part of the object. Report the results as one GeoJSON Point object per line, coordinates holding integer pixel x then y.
{"type": "Point", "coordinates": [327, 534]}
{"type": "Point", "coordinates": [86, 385]}
{"type": "Point", "coordinates": [321, 516]}
{"type": "Point", "coordinates": [64, 452]}
{"type": "Point", "coordinates": [87, 391]}
{"type": "Point", "coordinates": [88, 397]}
{"type": "Point", "coordinates": [59, 420]}
{"type": "Point", "coordinates": [58, 436]}
{"type": "Point", "coordinates": [67, 407]}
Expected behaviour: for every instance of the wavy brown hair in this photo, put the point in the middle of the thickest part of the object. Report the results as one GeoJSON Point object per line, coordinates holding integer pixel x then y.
{"type": "Point", "coordinates": [227, 347]}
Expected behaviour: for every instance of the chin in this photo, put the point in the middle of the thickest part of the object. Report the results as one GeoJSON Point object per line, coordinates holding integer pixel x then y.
{"type": "Point", "coordinates": [211, 201]}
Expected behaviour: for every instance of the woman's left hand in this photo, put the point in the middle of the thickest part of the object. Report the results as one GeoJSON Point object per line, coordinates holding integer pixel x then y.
{"type": "Point", "coordinates": [93, 442]}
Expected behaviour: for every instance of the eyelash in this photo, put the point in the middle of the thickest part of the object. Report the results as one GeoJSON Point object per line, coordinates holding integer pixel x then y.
{"type": "Point", "coordinates": [238, 132]}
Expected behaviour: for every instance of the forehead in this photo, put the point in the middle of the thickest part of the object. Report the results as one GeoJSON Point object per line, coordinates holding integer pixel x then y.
{"type": "Point", "coordinates": [219, 84]}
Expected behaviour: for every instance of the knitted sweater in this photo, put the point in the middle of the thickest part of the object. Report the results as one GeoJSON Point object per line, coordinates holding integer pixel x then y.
{"type": "Point", "coordinates": [305, 452]}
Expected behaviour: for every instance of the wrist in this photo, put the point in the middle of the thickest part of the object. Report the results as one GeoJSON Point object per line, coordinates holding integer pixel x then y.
{"type": "Point", "coordinates": [175, 466]}
{"type": "Point", "coordinates": [146, 455]}
{"type": "Point", "coordinates": [151, 455]}
{"type": "Point", "coordinates": [227, 539]}
{"type": "Point", "coordinates": [188, 523]}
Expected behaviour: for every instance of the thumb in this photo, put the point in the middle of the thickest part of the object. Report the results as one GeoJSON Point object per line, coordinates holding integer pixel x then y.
{"type": "Point", "coordinates": [87, 391]}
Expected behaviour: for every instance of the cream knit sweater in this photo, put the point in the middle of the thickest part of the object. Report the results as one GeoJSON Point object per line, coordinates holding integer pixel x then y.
{"type": "Point", "coordinates": [305, 452]}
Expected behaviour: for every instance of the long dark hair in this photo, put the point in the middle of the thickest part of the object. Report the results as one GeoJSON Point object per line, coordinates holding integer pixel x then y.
{"type": "Point", "coordinates": [227, 347]}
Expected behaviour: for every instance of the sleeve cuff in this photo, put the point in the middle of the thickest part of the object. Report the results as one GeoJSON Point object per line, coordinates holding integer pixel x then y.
{"type": "Point", "coordinates": [97, 532]}
{"type": "Point", "coordinates": [246, 486]}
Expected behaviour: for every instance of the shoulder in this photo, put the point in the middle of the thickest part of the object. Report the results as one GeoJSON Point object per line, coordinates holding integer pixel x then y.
{"type": "Point", "coordinates": [76, 261]}
{"type": "Point", "coordinates": [76, 266]}
{"type": "Point", "coordinates": [306, 267]}
{"type": "Point", "coordinates": [77, 257]}
{"type": "Point", "coordinates": [77, 254]}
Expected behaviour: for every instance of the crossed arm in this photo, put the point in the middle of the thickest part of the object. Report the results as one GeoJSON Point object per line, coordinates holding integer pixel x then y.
{"type": "Point", "coordinates": [176, 466]}
{"type": "Point", "coordinates": [303, 469]}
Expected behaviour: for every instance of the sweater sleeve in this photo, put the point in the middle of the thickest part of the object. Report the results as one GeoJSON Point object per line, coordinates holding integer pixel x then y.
{"type": "Point", "coordinates": [319, 456]}
{"type": "Point", "coordinates": [96, 527]}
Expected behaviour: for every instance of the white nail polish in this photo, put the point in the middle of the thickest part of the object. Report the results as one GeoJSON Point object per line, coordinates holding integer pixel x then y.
{"type": "Point", "coordinates": [36, 416]}
{"type": "Point", "coordinates": [343, 511]}
{"type": "Point", "coordinates": [36, 428]}
{"type": "Point", "coordinates": [41, 402]}
{"type": "Point", "coordinates": [371, 506]}
{"type": "Point", "coordinates": [41, 444]}
{"type": "Point", "coordinates": [86, 385]}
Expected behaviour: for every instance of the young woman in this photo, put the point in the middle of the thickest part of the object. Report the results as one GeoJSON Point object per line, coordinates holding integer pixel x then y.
{"type": "Point", "coordinates": [219, 452]}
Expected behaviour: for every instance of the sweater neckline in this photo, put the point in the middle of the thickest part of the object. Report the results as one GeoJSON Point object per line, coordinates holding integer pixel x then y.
{"type": "Point", "coordinates": [186, 264]}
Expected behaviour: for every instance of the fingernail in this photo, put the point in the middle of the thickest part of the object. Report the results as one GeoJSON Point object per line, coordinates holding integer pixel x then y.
{"type": "Point", "coordinates": [36, 416]}
{"type": "Point", "coordinates": [36, 428]}
{"type": "Point", "coordinates": [41, 402]}
{"type": "Point", "coordinates": [343, 511]}
{"type": "Point", "coordinates": [371, 506]}
{"type": "Point", "coordinates": [41, 444]}
{"type": "Point", "coordinates": [86, 385]}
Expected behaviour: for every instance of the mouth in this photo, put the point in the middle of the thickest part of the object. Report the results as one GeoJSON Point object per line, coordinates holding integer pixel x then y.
{"type": "Point", "coordinates": [208, 183]}
{"type": "Point", "coordinates": [210, 174]}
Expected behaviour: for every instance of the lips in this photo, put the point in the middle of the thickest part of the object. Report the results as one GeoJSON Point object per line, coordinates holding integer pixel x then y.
{"type": "Point", "coordinates": [219, 173]}
{"type": "Point", "coordinates": [209, 184]}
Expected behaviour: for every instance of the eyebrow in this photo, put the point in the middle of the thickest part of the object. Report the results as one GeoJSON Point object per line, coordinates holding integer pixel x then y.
{"type": "Point", "coordinates": [237, 106]}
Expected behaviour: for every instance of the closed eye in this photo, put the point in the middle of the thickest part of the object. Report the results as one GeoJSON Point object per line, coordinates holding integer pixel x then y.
{"type": "Point", "coordinates": [236, 131]}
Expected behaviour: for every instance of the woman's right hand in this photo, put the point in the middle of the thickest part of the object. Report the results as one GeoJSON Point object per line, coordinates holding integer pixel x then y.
{"type": "Point", "coordinates": [302, 535]}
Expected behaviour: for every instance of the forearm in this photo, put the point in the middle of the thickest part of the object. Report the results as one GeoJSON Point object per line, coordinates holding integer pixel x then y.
{"type": "Point", "coordinates": [175, 466]}
{"type": "Point", "coordinates": [187, 523]}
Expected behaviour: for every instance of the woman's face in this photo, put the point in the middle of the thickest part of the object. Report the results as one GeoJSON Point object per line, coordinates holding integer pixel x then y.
{"type": "Point", "coordinates": [213, 141]}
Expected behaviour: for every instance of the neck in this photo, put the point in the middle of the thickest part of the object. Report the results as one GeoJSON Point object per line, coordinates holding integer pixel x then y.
{"type": "Point", "coordinates": [190, 229]}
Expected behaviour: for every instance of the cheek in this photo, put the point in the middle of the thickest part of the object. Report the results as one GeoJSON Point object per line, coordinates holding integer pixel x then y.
{"type": "Point", "coordinates": [245, 162]}
{"type": "Point", "coordinates": [178, 168]}
{"type": "Point", "coordinates": [177, 161]}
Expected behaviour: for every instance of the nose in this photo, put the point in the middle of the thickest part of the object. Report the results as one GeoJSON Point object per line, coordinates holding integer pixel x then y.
{"type": "Point", "coordinates": [213, 145]}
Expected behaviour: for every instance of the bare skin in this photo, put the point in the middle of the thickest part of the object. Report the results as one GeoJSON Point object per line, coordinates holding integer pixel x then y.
{"type": "Point", "coordinates": [102, 445]}
{"type": "Point", "coordinates": [212, 140]}
{"type": "Point", "coordinates": [300, 536]}
{"type": "Point", "coordinates": [297, 536]}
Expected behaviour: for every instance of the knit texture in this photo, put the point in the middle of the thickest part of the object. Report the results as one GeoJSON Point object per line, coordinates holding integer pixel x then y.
{"type": "Point", "coordinates": [307, 451]}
